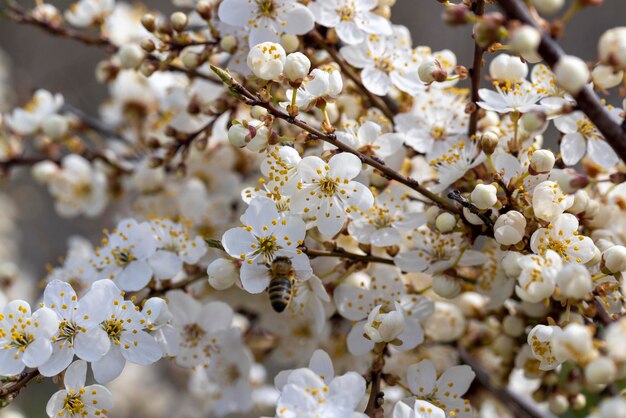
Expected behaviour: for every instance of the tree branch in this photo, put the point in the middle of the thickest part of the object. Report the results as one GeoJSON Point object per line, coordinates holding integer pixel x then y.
{"type": "Point", "coordinates": [386, 104]}
{"type": "Point", "coordinates": [478, 7]}
{"type": "Point", "coordinates": [586, 99]}
{"type": "Point", "coordinates": [251, 99]}
{"type": "Point", "coordinates": [13, 389]}
{"type": "Point", "coordinates": [374, 407]}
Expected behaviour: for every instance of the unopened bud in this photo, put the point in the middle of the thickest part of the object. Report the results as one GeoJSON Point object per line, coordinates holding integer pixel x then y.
{"type": "Point", "coordinates": [489, 29]}
{"type": "Point", "coordinates": [149, 22]}
{"type": "Point", "coordinates": [600, 371]}
{"type": "Point", "coordinates": [484, 196]}
{"type": "Point", "coordinates": [228, 43]}
{"type": "Point", "coordinates": [290, 42]}
{"type": "Point", "coordinates": [431, 70]}
{"type": "Point", "coordinates": [548, 6]}
{"type": "Point", "coordinates": [541, 162]}
{"type": "Point", "coordinates": [43, 171]}
{"type": "Point", "coordinates": [445, 222]}
{"type": "Point", "coordinates": [297, 66]}
{"type": "Point", "coordinates": [148, 45]}
{"type": "Point", "coordinates": [489, 142]}
{"type": "Point", "coordinates": [614, 259]}
{"type": "Point", "coordinates": [525, 40]}
{"type": "Point", "coordinates": [612, 47]}
{"type": "Point", "coordinates": [130, 55]}
{"type": "Point", "coordinates": [534, 121]}
{"type": "Point", "coordinates": [509, 228]}
{"type": "Point", "coordinates": [571, 73]}
{"type": "Point", "coordinates": [238, 135]}
{"type": "Point", "coordinates": [203, 8]}
{"type": "Point", "coordinates": [558, 404]}
{"type": "Point", "coordinates": [506, 67]}
{"type": "Point", "coordinates": [445, 286]}
{"type": "Point", "coordinates": [55, 126]}
{"type": "Point", "coordinates": [456, 15]}
{"type": "Point", "coordinates": [191, 59]}
{"type": "Point", "coordinates": [179, 21]}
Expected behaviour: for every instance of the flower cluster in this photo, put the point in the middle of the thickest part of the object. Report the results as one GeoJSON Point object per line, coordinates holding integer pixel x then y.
{"type": "Point", "coordinates": [289, 179]}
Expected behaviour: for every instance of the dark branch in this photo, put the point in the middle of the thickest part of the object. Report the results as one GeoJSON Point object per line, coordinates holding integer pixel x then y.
{"type": "Point", "coordinates": [586, 99]}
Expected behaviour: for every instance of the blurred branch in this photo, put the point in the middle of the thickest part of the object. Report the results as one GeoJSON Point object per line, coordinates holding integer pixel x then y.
{"type": "Point", "coordinates": [586, 99]}
{"type": "Point", "coordinates": [520, 407]}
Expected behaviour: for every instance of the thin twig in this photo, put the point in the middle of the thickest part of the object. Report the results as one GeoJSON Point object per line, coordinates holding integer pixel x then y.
{"type": "Point", "coordinates": [374, 408]}
{"type": "Point", "coordinates": [251, 99]}
{"type": "Point", "coordinates": [586, 99]}
{"type": "Point", "coordinates": [386, 104]}
{"type": "Point", "coordinates": [13, 388]}
{"type": "Point", "coordinates": [478, 7]}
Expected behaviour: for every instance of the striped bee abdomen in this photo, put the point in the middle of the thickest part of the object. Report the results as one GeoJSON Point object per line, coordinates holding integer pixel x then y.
{"type": "Point", "coordinates": [279, 291]}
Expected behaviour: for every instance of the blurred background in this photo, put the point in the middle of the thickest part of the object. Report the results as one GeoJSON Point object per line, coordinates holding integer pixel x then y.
{"type": "Point", "coordinates": [38, 60]}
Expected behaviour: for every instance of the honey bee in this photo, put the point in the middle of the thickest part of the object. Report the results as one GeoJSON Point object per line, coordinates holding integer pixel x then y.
{"type": "Point", "coordinates": [280, 289]}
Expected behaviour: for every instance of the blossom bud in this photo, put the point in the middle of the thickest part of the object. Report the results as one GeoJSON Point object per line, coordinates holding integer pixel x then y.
{"type": "Point", "coordinates": [297, 66]}
{"type": "Point", "coordinates": [614, 259]}
{"type": "Point", "coordinates": [612, 47]}
{"type": "Point", "coordinates": [541, 162]}
{"type": "Point", "coordinates": [179, 21]}
{"type": "Point", "coordinates": [525, 39]}
{"type": "Point", "coordinates": [489, 142]}
{"type": "Point", "coordinates": [581, 200]}
{"type": "Point", "coordinates": [384, 327]}
{"type": "Point", "coordinates": [571, 73]}
{"type": "Point", "coordinates": [430, 70]}
{"type": "Point", "coordinates": [130, 55]}
{"type": "Point", "coordinates": [55, 126]}
{"type": "Point", "coordinates": [290, 42]}
{"type": "Point", "coordinates": [558, 404]}
{"type": "Point", "coordinates": [506, 67]}
{"type": "Point", "coordinates": [456, 15]}
{"type": "Point", "coordinates": [228, 43]}
{"type": "Point", "coordinates": [257, 112]}
{"type": "Point", "coordinates": [511, 265]}
{"type": "Point", "coordinates": [489, 29]}
{"type": "Point", "coordinates": [600, 371]}
{"type": "Point", "coordinates": [548, 6]}
{"type": "Point", "coordinates": [484, 196]}
{"type": "Point", "coordinates": [266, 60]}
{"type": "Point", "coordinates": [574, 343]}
{"type": "Point", "coordinates": [446, 324]}
{"type": "Point", "coordinates": [204, 9]}
{"type": "Point", "coordinates": [597, 257]}
{"type": "Point", "coordinates": [513, 326]}
{"type": "Point", "coordinates": [574, 281]}
{"type": "Point", "coordinates": [43, 171]}
{"type": "Point", "coordinates": [445, 222]}
{"type": "Point", "coordinates": [605, 77]}
{"type": "Point", "coordinates": [191, 59]}
{"type": "Point", "coordinates": [238, 135]}
{"type": "Point", "coordinates": [446, 286]}
{"type": "Point", "coordinates": [149, 22]}
{"type": "Point", "coordinates": [509, 228]}
{"type": "Point", "coordinates": [534, 121]}
{"type": "Point", "coordinates": [431, 214]}
{"type": "Point", "coordinates": [222, 273]}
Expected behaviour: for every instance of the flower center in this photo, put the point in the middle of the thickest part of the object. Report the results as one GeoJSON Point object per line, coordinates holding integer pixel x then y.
{"type": "Point", "coordinates": [193, 334]}
{"type": "Point", "coordinates": [21, 340]}
{"type": "Point", "coordinates": [114, 328]}
{"type": "Point", "coordinates": [266, 7]}
{"type": "Point", "coordinates": [74, 404]}
{"type": "Point", "coordinates": [328, 186]}
{"type": "Point", "coordinates": [122, 256]}
{"type": "Point", "coordinates": [585, 127]}
{"type": "Point", "coordinates": [67, 331]}
{"type": "Point", "coordinates": [346, 13]}
{"type": "Point", "coordinates": [557, 246]}
{"type": "Point", "coordinates": [439, 133]}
